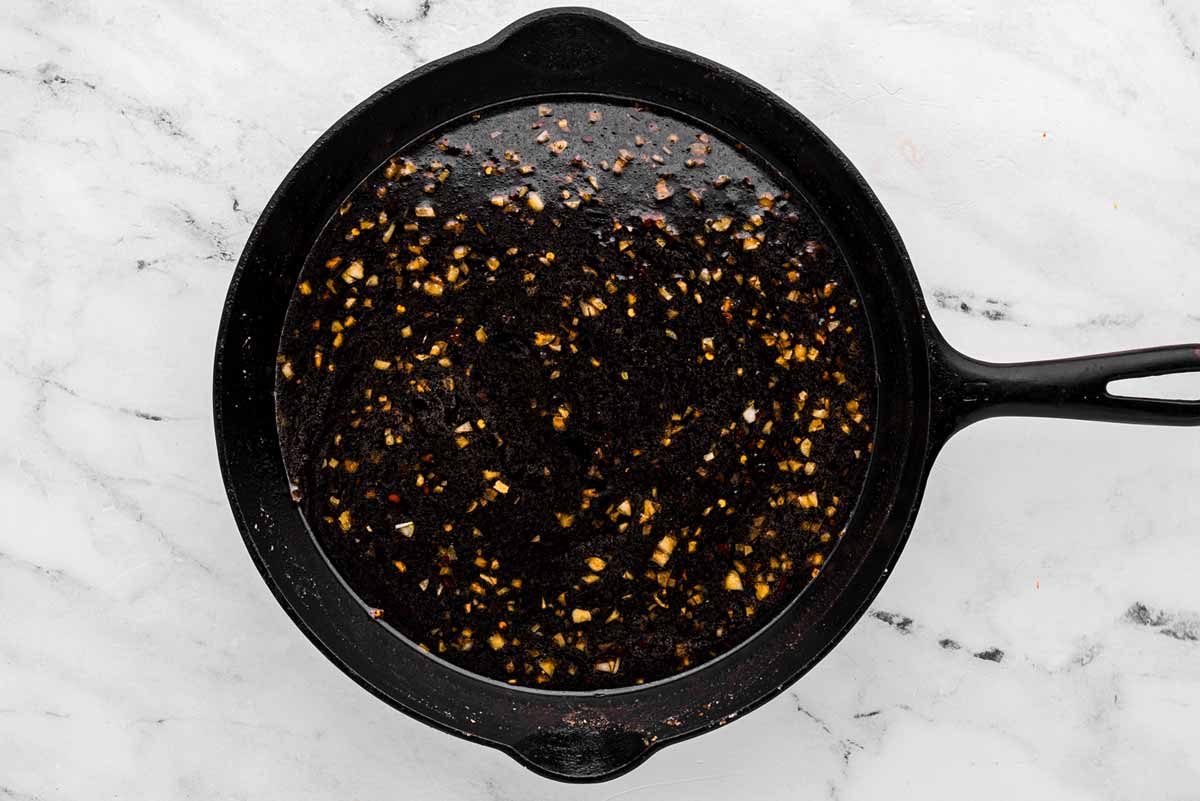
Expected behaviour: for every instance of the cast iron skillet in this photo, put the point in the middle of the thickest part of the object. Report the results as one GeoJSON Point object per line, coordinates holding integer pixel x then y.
{"type": "Point", "coordinates": [926, 392]}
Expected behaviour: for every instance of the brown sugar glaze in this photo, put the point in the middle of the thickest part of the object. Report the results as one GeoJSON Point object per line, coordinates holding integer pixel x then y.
{"type": "Point", "coordinates": [575, 395]}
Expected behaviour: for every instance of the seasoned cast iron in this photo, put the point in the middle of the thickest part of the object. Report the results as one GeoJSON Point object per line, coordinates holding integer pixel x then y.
{"type": "Point", "coordinates": [926, 392]}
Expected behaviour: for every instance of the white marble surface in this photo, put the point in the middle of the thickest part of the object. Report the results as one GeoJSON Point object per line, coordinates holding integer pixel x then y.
{"type": "Point", "coordinates": [1042, 163]}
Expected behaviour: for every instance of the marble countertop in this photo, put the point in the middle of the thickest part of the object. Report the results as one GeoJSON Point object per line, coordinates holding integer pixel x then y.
{"type": "Point", "coordinates": [1040, 637]}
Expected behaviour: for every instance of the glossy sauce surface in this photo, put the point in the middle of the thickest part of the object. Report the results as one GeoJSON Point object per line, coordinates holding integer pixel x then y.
{"type": "Point", "coordinates": [575, 395]}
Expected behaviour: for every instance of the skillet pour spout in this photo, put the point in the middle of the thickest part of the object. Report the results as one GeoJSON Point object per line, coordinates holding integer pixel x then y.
{"type": "Point", "coordinates": [582, 751]}
{"type": "Point", "coordinates": [925, 391]}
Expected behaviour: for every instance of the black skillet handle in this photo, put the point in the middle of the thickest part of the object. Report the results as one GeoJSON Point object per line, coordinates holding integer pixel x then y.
{"type": "Point", "coordinates": [967, 390]}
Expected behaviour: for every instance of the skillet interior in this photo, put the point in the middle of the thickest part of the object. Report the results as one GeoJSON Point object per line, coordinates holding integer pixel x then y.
{"type": "Point", "coordinates": [700, 365]}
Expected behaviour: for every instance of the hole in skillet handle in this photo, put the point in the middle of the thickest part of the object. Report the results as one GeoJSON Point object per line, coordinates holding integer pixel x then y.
{"type": "Point", "coordinates": [584, 752]}
{"type": "Point", "coordinates": [1171, 386]}
{"type": "Point", "coordinates": [565, 41]}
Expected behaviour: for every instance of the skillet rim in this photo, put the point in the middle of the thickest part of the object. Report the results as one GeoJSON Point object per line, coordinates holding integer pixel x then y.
{"type": "Point", "coordinates": [861, 586]}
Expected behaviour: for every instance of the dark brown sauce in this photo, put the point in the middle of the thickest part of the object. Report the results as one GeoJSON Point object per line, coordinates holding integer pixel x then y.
{"type": "Point", "coordinates": [575, 396]}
